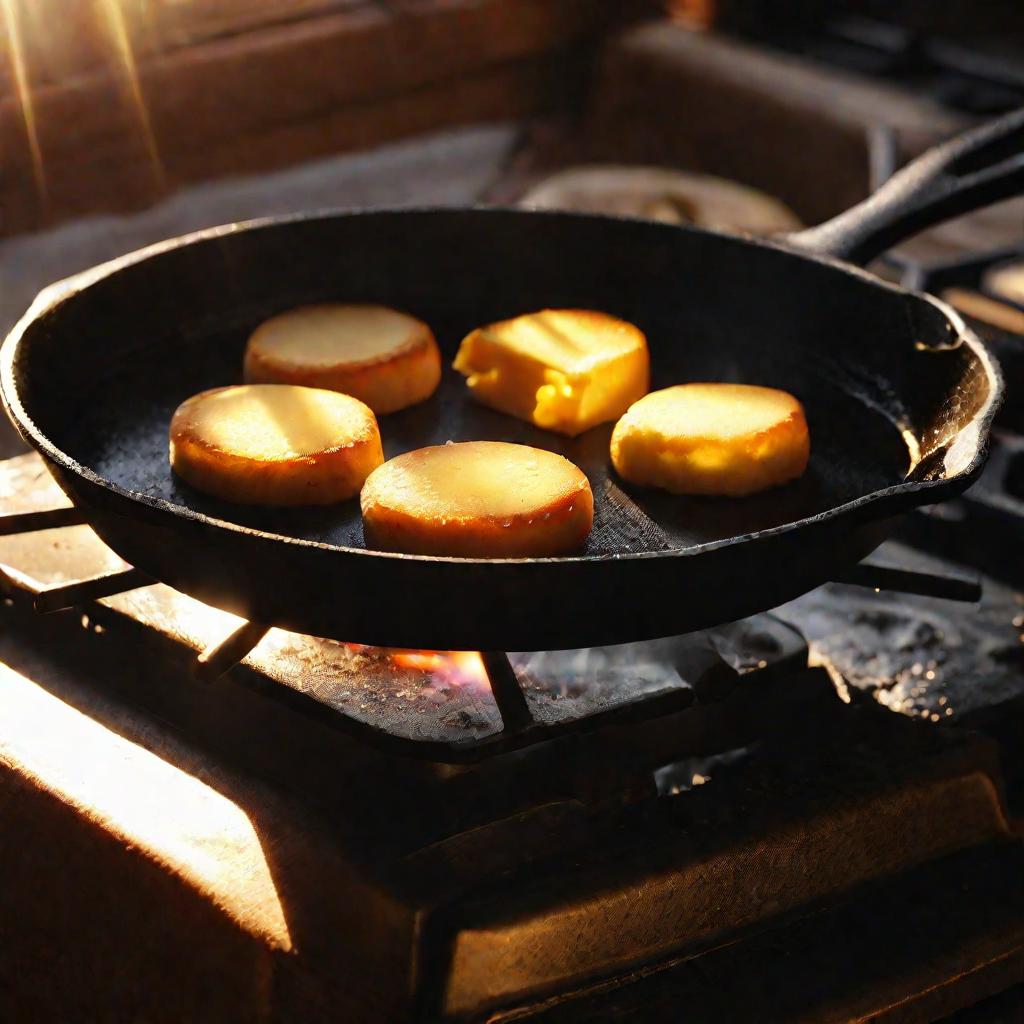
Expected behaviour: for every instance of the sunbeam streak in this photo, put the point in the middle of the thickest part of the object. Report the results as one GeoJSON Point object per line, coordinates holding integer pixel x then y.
{"type": "Point", "coordinates": [23, 89]}
{"type": "Point", "coordinates": [114, 17]}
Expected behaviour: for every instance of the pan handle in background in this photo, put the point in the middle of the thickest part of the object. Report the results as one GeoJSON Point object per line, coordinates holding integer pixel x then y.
{"type": "Point", "coordinates": [972, 170]}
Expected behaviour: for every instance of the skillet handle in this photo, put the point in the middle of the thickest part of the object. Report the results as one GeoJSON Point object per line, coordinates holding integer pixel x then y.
{"type": "Point", "coordinates": [972, 170]}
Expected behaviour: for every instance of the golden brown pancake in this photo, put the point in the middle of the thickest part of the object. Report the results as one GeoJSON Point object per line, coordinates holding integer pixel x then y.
{"type": "Point", "coordinates": [727, 439]}
{"type": "Point", "coordinates": [478, 499]}
{"type": "Point", "coordinates": [275, 444]}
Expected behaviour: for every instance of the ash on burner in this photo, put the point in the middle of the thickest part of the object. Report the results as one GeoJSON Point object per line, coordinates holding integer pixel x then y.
{"type": "Point", "coordinates": [562, 685]}
{"type": "Point", "coordinates": [682, 776]}
{"type": "Point", "coordinates": [916, 655]}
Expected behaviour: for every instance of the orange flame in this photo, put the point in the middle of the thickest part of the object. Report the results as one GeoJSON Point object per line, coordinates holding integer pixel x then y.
{"type": "Point", "coordinates": [203, 625]}
{"type": "Point", "coordinates": [461, 668]}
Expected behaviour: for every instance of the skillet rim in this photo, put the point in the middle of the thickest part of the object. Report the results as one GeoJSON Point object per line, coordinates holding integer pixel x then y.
{"type": "Point", "coordinates": [901, 494]}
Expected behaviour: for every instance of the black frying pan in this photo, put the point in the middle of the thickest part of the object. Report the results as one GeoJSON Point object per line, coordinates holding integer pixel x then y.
{"type": "Point", "coordinates": [899, 397]}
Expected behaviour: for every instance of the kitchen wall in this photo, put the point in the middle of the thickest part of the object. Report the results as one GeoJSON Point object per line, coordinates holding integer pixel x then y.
{"type": "Point", "coordinates": [109, 105]}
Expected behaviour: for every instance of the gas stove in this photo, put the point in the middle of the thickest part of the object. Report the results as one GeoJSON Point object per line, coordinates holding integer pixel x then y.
{"type": "Point", "coordinates": [644, 819]}
{"type": "Point", "coordinates": [812, 814]}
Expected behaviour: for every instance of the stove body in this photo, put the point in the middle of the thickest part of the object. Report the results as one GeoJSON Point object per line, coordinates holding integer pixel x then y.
{"type": "Point", "coordinates": [809, 815]}
{"type": "Point", "coordinates": [738, 811]}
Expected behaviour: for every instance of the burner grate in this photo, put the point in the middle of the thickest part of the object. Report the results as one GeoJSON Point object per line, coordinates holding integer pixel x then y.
{"type": "Point", "coordinates": [448, 707]}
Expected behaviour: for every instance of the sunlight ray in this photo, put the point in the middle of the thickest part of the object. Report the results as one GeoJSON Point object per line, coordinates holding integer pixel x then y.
{"type": "Point", "coordinates": [23, 90]}
{"type": "Point", "coordinates": [114, 17]}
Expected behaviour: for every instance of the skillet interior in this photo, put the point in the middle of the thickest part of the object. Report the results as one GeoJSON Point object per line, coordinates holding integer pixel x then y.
{"type": "Point", "coordinates": [135, 344]}
{"type": "Point", "coordinates": [92, 376]}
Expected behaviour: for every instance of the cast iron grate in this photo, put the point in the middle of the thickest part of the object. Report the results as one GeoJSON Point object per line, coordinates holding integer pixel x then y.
{"type": "Point", "coordinates": [514, 701]}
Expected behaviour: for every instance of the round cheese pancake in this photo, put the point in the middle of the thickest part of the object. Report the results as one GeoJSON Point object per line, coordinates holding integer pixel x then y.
{"type": "Point", "coordinates": [728, 439]}
{"type": "Point", "coordinates": [478, 499]}
{"type": "Point", "coordinates": [273, 444]}
{"type": "Point", "coordinates": [387, 359]}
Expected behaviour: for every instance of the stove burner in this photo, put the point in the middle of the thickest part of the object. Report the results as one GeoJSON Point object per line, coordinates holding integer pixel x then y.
{"type": "Point", "coordinates": [453, 707]}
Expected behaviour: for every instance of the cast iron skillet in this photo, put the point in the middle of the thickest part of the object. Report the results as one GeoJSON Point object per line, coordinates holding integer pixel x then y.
{"type": "Point", "coordinates": [899, 397]}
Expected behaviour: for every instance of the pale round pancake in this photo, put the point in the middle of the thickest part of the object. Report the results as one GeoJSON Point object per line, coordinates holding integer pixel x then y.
{"type": "Point", "coordinates": [385, 358]}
